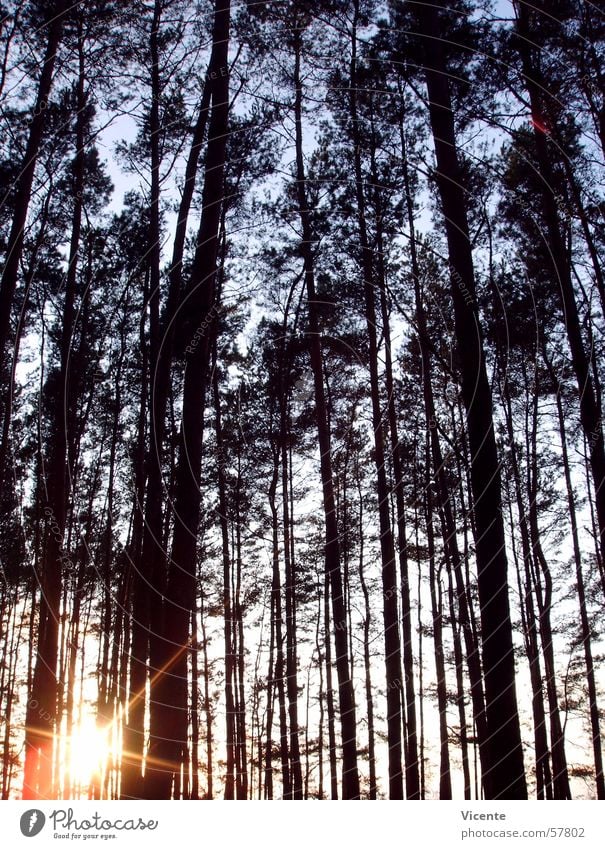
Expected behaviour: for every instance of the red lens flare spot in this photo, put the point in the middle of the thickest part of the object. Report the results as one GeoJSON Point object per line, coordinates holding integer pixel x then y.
{"type": "Point", "coordinates": [539, 125]}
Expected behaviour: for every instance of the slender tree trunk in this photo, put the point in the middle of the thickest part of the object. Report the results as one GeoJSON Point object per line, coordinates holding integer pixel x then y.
{"type": "Point", "coordinates": [528, 623]}
{"type": "Point", "coordinates": [279, 673]}
{"type": "Point", "coordinates": [207, 707]}
{"type": "Point", "coordinates": [73, 649]}
{"type": "Point", "coordinates": [348, 722]}
{"type": "Point", "coordinates": [268, 781]}
{"type": "Point", "coordinates": [366, 649]}
{"type": "Point", "coordinates": [392, 645]}
{"type": "Point", "coordinates": [320, 698]}
{"type": "Point", "coordinates": [445, 781]}
{"type": "Point", "coordinates": [422, 748]}
{"type": "Point", "coordinates": [227, 600]}
{"type": "Point", "coordinates": [459, 664]}
{"type": "Point", "coordinates": [168, 719]}
{"type": "Point", "coordinates": [330, 692]}
{"type": "Point", "coordinates": [544, 601]}
{"type": "Point", "coordinates": [506, 776]}
{"type": "Point", "coordinates": [238, 625]}
{"type": "Point", "coordinates": [153, 564]}
{"type": "Point", "coordinates": [291, 668]}
{"type": "Point", "coordinates": [194, 793]}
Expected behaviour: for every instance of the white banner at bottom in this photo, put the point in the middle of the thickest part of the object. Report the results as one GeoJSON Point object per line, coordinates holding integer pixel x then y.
{"type": "Point", "coordinates": [302, 825]}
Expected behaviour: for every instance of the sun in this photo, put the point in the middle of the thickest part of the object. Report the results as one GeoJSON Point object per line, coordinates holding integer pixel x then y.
{"type": "Point", "coordinates": [89, 750]}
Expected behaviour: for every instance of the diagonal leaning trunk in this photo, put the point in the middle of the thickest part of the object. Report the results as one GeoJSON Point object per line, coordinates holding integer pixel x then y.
{"type": "Point", "coordinates": [506, 775]}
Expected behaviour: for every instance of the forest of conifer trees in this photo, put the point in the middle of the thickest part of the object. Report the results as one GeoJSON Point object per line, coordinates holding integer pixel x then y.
{"type": "Point", "coordinates": [302, 458]}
